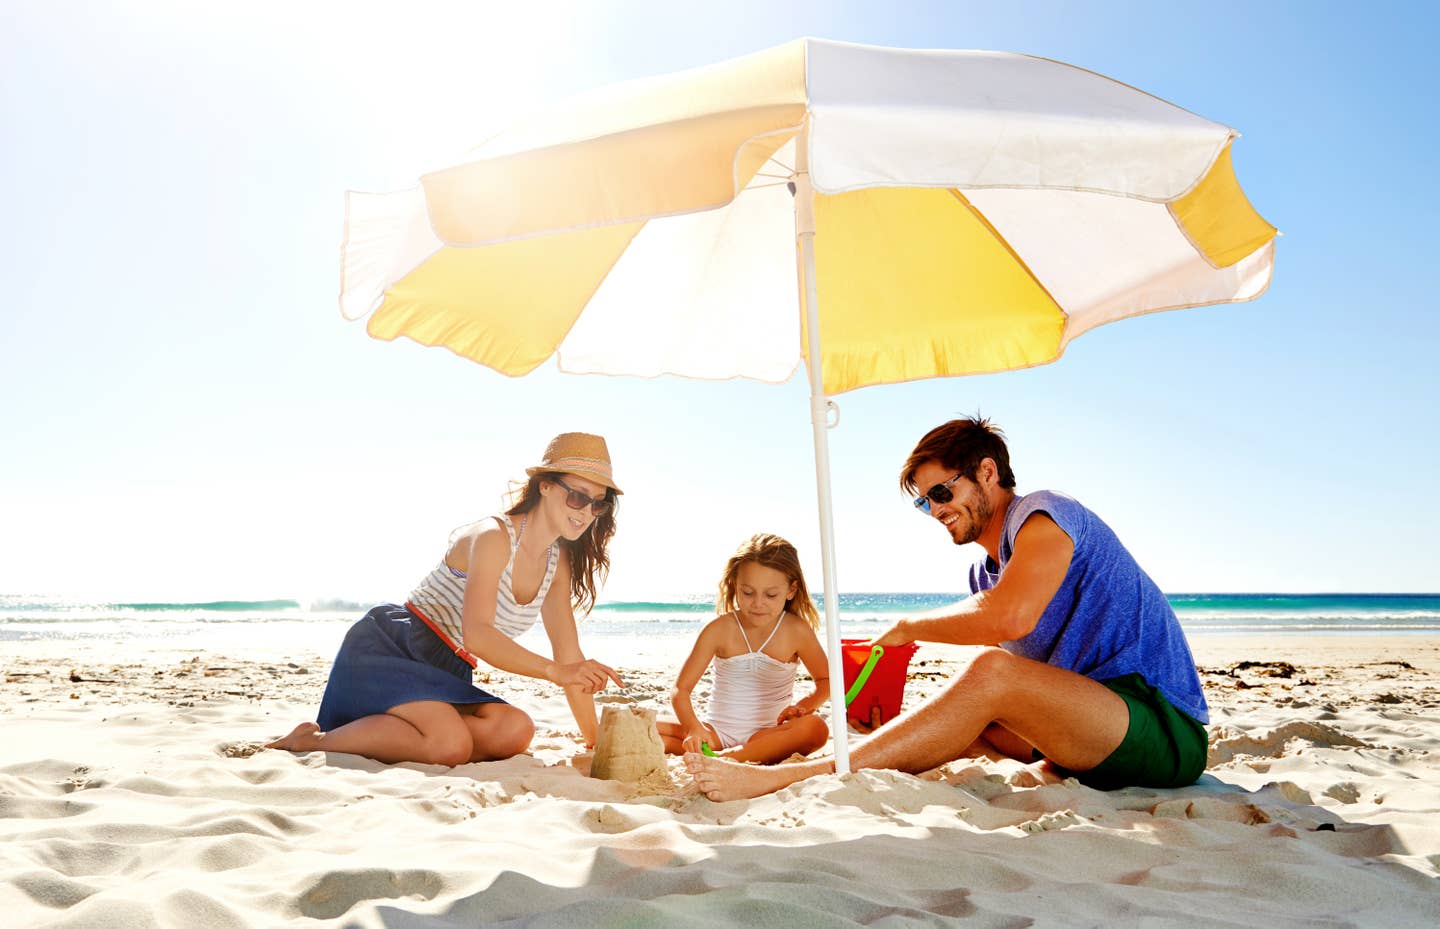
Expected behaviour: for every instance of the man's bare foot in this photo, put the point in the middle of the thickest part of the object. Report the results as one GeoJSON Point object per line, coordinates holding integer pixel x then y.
{"type": "Point", "coordinates": [303, 738]}
{"type": "Point", "coordinates": [721, 779]}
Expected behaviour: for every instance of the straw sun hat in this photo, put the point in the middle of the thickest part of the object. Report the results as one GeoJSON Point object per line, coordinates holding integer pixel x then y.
{"type": "Point", "coordinates": [578, 453]}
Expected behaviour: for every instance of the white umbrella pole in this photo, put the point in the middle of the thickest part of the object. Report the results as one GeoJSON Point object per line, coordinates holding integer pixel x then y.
{"type": "Point", "coordinates": [820, 407]}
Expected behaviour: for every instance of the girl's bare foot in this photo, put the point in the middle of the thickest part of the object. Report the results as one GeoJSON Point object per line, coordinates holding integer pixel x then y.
{"type": "Point", "coordinates": [721, 779]}
{"type": "Point", "coordinates": [303, 738]}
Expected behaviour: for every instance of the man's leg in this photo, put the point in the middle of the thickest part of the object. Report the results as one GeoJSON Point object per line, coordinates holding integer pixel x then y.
{"type": "Point", "coordinates": [998, 742]}
{"type": "Point", "coordinates": [1073, 720]}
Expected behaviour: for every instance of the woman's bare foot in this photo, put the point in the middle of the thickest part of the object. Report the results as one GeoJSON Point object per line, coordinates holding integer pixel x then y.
{"type": "Point", "coordinates": [303, 738]}
{"type": "Point", "coordinates": [721, 779]}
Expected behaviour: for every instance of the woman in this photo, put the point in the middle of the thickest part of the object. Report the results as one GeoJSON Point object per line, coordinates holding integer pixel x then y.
{"type": "Point", "coordinates": [401, 690]}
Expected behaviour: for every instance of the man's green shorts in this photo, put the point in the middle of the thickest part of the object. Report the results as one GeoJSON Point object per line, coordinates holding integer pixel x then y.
{"type": "Point", "coordinates": [1163, 747]}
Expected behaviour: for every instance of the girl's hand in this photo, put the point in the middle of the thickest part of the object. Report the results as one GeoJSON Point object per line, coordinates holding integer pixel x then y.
{"type": "Point", "coordinates": [792, 712]}
{"type": "Point", "coordinates": [693, 739]}
{"type": "Point", "coordinates": [589, 675]}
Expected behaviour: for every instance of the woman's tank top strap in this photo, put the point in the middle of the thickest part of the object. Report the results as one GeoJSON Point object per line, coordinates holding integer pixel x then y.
{"type": "Point", "coordinates": [512, 617]}
{"type": "Point", "coordinates": [439, 598]}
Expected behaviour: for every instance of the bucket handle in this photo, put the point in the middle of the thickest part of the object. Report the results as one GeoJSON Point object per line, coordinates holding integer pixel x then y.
{"type": "Point", "coordinates": [864, 675]}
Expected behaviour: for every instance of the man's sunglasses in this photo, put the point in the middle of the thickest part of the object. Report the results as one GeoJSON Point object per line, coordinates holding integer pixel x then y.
{"type": "Point", "coordinates": [576, 500]}
{"type": "Point", "coordinates": [940, 493]}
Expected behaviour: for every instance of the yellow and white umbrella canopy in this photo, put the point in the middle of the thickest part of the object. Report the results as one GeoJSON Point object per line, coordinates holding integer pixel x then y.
{"type": "Point", "coordinates": [930, 213]}
{"type": "Point", "coordinates": [974, 212]}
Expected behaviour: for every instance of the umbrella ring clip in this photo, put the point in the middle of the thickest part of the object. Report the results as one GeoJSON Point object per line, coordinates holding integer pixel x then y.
{"type": "Point", "coordinates": [824, 411]}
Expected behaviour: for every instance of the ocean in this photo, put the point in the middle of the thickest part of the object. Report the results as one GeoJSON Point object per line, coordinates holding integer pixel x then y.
{"type": "Point", "coordinates": [321, 623]}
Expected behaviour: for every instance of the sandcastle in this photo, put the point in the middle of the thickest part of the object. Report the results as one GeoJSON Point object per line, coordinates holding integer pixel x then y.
{"type": "Point", "coordinates": [628, 746]}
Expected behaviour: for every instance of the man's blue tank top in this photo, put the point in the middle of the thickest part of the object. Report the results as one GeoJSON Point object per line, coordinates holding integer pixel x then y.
{"type": "Point", "coordinates": [1108, 618]}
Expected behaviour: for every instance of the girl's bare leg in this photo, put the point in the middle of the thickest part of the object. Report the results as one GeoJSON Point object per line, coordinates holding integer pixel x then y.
{"type": "Point", "coordinates": [1075, 721]}
{"type": "Point", "coordinates": [426, 731]}
{"type": "Point", "coordinates": [803, 735]}
{"type": "Point", "coordinates": [672, 734]}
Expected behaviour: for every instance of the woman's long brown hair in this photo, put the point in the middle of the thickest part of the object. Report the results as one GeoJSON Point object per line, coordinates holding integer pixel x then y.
{"type": "Point", "coordinates": [589, 554]}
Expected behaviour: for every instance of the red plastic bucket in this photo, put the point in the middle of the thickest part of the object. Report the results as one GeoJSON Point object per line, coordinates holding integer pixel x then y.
{"type": "Point", "coordinates": [885, 688]}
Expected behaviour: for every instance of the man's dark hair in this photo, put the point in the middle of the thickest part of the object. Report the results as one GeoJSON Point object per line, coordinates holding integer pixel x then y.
{"type": "Point", "coordinates": [960, 445]}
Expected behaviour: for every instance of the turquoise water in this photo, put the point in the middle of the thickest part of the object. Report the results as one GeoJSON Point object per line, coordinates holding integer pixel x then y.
{"type": "Point", "coordinates": [864, 613]}
{"type": "Point", "coordinates": [28, 617]}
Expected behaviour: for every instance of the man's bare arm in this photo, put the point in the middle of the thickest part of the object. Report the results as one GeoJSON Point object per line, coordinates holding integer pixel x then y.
{"type": "Point", "coordinates": [1011, 608]}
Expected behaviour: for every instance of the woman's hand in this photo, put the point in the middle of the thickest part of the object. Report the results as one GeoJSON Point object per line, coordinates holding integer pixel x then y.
{"type": "Point", "coordinates": [589, 675]}
{"type": "Point", "coordinates": [794, 711]}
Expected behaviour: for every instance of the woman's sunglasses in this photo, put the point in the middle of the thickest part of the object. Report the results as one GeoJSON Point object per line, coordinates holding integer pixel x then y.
{"type": "Point", "coordinates": [940, 493]}
{"type": "Point", "coordinates": [576, 500]}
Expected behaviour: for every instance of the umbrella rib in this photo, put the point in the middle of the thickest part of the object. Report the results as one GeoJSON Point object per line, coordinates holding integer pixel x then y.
{"type": "Point", "coordinates": [1005, 244]}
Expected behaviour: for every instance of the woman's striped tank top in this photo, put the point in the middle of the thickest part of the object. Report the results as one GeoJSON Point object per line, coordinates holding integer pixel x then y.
{"type": "Point", "coordinates": [440, 597]}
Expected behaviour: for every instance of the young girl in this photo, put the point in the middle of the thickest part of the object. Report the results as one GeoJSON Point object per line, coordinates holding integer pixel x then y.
{"type": "Point", "coordinates": [767, 622]}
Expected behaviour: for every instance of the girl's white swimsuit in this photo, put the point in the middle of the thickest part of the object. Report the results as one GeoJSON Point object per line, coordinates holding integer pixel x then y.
{"type": "Point", "coordinates": [750, 690]}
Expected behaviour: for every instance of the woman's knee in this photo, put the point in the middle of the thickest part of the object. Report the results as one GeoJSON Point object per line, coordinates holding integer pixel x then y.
{"type": "Point", "coordinates": [445, 739]}
{"type": "Point", "coordinates": [450, 746]}
{"type": "Point", "coordinates": [505, 731]}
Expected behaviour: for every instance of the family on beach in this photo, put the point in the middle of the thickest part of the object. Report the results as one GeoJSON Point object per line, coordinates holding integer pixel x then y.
{"type": "Point", "coordinates": [1088, 670]}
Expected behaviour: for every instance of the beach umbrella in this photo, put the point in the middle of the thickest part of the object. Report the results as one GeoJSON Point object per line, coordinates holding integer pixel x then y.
{"type": "Point", "coordinates": [881, 214]}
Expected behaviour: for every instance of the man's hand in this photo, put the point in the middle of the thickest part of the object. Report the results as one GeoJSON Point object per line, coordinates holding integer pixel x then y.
{"type": "Point", "coordinates": [875, 721]}
{"type": "Point", "coordinates": [898, 634]}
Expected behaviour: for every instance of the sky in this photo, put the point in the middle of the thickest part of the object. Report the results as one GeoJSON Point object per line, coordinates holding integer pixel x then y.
{"type": "Point", "coordinates": [184, 414]}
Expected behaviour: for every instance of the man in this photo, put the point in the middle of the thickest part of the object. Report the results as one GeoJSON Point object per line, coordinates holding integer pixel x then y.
{"type": "Point", "coordinates": [1092, 672]}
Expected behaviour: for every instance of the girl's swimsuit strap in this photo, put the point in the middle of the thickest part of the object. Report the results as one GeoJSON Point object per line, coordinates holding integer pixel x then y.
{"type": "Point", "coordinates": [751, 650]}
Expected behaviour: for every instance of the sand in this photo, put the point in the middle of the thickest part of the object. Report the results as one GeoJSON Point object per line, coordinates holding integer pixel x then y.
{"type": "Point", "coordinates": [132, 793]}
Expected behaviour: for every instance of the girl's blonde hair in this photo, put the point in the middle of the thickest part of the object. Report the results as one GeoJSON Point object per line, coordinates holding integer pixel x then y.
{"type": "Point", "coordinates": [768, 549]}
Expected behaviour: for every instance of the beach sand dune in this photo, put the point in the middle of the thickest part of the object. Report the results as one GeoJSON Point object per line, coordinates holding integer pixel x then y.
{"type": "Point", "coordinates": [132, 793]}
